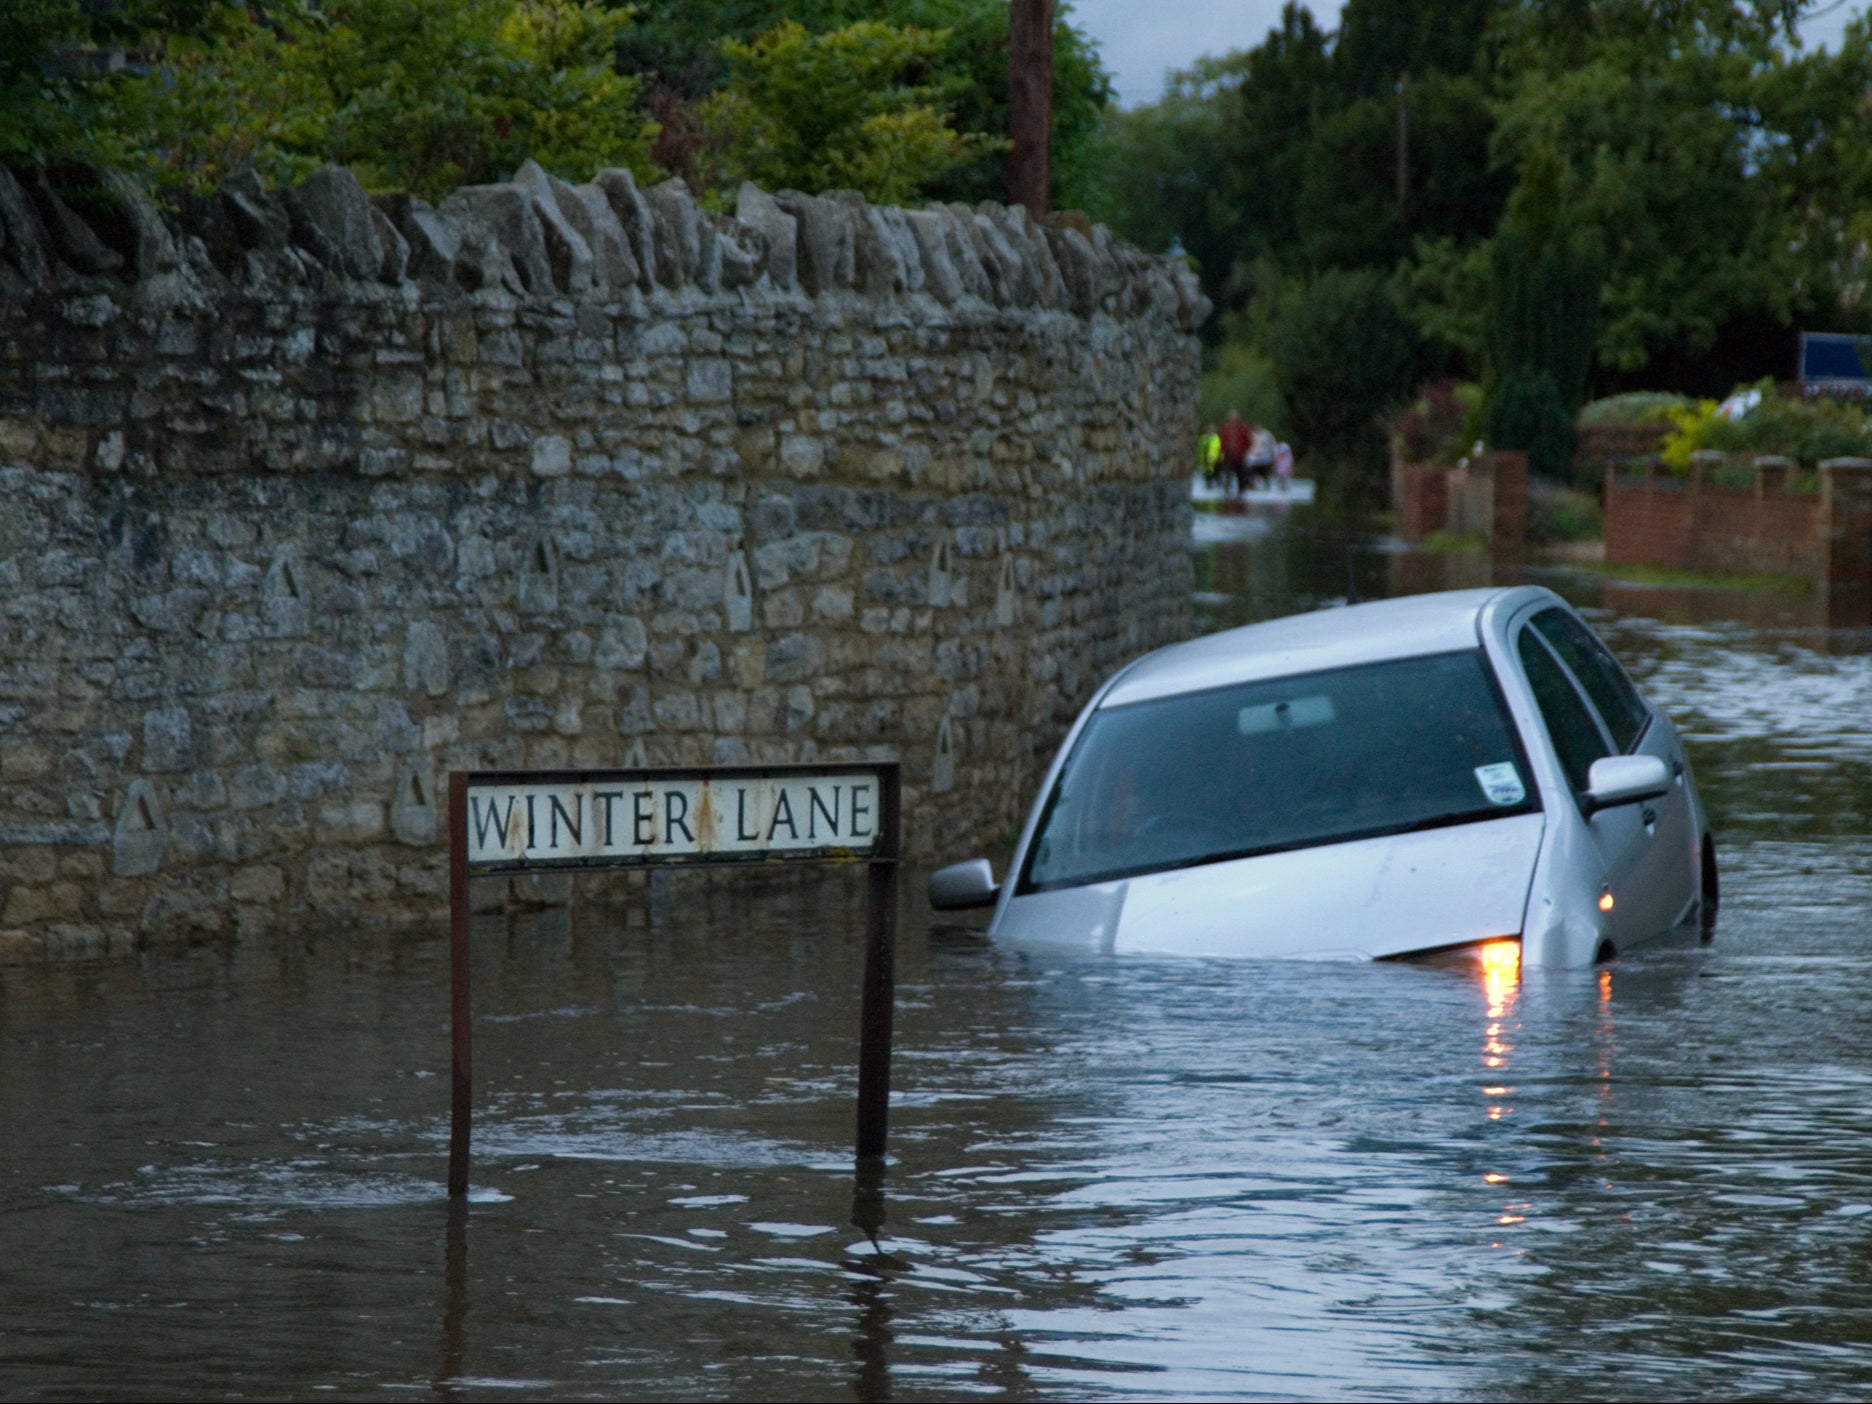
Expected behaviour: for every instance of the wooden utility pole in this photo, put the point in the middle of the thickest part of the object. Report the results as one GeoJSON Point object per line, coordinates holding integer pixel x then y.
{"type": "Point", "coordinates": [1030, 104]}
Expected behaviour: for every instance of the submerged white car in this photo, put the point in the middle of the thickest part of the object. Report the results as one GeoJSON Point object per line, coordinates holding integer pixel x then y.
{"type": "Point", "coordinates": [1402, 778]}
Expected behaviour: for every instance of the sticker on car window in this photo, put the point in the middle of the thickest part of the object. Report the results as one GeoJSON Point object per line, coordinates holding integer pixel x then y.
{"type": "Point", "coordinates": [1501, 783]}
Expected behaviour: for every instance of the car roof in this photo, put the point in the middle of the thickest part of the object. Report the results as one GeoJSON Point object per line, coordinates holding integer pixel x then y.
{"type": "Point", "coordinates": [1311, 643]}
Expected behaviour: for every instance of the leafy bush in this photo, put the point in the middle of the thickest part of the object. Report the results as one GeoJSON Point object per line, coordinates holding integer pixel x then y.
{"type": "Point", "coordinates": [1634, 409]}
{"type": "Point", "coordinates": [1805, 430]}
{"type": "Point", "coordinates": [1557, 513]}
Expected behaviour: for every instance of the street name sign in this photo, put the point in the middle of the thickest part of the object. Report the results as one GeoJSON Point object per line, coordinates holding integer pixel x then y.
{"type": "Point", "coordinates": [517, 823]}
{"type": "Point", "coordinates": [521, 821]}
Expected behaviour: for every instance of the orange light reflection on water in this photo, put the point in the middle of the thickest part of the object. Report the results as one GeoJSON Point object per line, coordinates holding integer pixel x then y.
{"type": "Point", "coordinates": [1500, 965]}
{"type": "Point", "coordinates": [1501, 974]}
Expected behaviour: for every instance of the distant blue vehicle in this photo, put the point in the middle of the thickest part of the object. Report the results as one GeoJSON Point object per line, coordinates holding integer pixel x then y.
{"type": "Point", "coordinates": [1834, 361]}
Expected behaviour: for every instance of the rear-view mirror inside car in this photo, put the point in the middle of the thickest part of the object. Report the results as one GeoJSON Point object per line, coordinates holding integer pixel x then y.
{"type": "Point", "coordinates": [1284, 716]}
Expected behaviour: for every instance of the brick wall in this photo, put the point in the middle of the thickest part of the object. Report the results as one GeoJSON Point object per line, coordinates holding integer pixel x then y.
{"type": "Point", "coordinates": [1696, 524]}
{"type": "Point", "coordinates": [1487, 497]}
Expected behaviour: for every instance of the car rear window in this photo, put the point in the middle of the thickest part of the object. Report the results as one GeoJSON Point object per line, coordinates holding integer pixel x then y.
{"type": "Point", "coordinates": [1293, 762]}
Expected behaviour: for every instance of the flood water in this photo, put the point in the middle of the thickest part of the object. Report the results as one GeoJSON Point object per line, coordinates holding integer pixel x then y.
{"type": "Point", "coordinates": [223, 1169]}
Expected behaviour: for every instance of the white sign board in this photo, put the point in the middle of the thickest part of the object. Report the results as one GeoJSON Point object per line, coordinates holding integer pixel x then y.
{"type": "Point", "coordinates": [634, 817]}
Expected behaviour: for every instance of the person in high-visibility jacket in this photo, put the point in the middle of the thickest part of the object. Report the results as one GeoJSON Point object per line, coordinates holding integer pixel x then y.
{"type": "Point", "coordinates": [1208, 452]}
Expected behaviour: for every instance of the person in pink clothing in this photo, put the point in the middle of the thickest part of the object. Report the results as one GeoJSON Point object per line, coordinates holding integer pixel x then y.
{"type": "Point", "coordinates": [1283, 465]}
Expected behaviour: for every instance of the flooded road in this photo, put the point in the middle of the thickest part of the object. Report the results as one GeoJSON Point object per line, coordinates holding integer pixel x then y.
{"type": "Point", "coordinates": [1123, 1179]}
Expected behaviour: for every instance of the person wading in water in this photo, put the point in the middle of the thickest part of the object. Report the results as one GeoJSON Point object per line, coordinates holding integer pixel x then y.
{"type": "Point", "coordinates": [1235, 442]}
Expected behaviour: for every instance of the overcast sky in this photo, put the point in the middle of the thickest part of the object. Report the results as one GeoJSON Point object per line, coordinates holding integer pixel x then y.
{"type": "Point", "coordinates": [1142, 39]}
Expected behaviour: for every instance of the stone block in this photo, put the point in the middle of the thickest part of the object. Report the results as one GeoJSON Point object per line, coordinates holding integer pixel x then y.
{"type": "Point", "coordinates": [709, 381]}
{"type": "Point", "coordinates": [740, 253]}
{"type": "Point", "coordinates": [141, 834]}
{"type": "Point", "coordinates": [260, 883]}
{"type": "Point", "coordinates": [552, 456]}
{"type": "Point", "coordinates": [75, 243]}
{"type": "Point", "coordinates": [537, 582]}
{"type": "Point", "coordinates": [168, 739]}
{"type": "Point", "coordinates": [425, 659]}
{"type": "Point", "coordinates": [802, 455]}
{"type": "Point", "coordinates": [738, 594]}
{"type": "Point", "coordinates": [413, 802]}
{"type": "Point", "coordinates": [793, 658]}
{"type": "Point", "coordinates": [285, 595]}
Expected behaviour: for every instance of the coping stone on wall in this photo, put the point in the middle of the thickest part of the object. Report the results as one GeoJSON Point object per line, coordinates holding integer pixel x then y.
{"type": "Point", "coordinates": [433, 239]}
{"type": "Point", "coordinates": [633, 213]}
{"type": "Point", "coordinates": [827, 261]}
{"type": "Point", "coordinates": [573, 265]}
{"type": "Point", "coordinates": [507, 212]}
{"type": "Point", "coordinates": [541, 237]}
{"type": "Point", "coordinates": [587, 210]}
{"type": "Point", "coordinates": [759, 211]}
{"type": "Point", "coordinates": [678, 230]}
{"type": "Point", "coordinates": [332, 220]}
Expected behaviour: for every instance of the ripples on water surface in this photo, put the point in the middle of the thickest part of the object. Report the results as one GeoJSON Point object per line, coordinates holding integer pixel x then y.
{"type": "Point", "coordinates": [1112, 1178]}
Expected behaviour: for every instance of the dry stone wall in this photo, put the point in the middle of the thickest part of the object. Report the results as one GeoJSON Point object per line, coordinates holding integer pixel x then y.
{"type": "Point", "coordinates": [311, 499]}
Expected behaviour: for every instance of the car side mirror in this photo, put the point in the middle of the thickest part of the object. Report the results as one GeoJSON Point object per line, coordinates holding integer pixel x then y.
{"type": "Point", "coordinates": [961, 886]}
{"type": "Point", "coordinates": [1616, 780]}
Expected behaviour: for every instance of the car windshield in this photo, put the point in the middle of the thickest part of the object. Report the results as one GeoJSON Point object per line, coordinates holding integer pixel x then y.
{"type": "Point", "coordinates": [1293, 762]}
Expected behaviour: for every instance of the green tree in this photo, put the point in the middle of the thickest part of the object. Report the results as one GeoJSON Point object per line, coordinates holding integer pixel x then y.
{"type": "Point", "coordinates": [411, 94]}
{"type": "Point", "coordinates": [847, 108]}
{"type": "Point", "coordinates": [1287, 88]}
{"type": "Point", "coordinates": [1162, 169]}
{"type": "Point", "coordinates": [1541, 323]}
{"type": "Point", "coordinates": [682, 50]}
{"type": "Point", "coordinates": [63, 72]}
{"type": "Point", "coordinates": [1345, 355]}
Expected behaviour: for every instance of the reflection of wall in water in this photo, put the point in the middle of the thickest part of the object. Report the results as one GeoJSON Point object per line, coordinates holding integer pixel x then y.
{"type": "Point", "coordinates": [1424, 572]}
{"type": "Point", "coordinates": [1681, 604]}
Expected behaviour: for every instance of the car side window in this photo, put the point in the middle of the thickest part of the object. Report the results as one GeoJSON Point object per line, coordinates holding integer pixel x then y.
{"type": "Point", "coordinates": [1619, 704]}
{"type": "Point", "coordinates": [1576, 737]}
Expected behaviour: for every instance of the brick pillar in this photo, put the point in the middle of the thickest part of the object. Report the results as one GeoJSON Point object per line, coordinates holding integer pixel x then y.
{"type": "Point", "coordinates": [1422, 500]}
{"type": "Point", "coordinates": [1508, 527]}
{"type": "Point", "coordinates": [1846, 539]}
{"type": "Point", "coordinates": [1771, 474]}
{"type": "Point", "coordinates": [1698, 554]}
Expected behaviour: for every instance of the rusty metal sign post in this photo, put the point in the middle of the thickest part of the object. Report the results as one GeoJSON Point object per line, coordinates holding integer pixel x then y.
{"type": "Point", "coordinates": [520, 821]}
